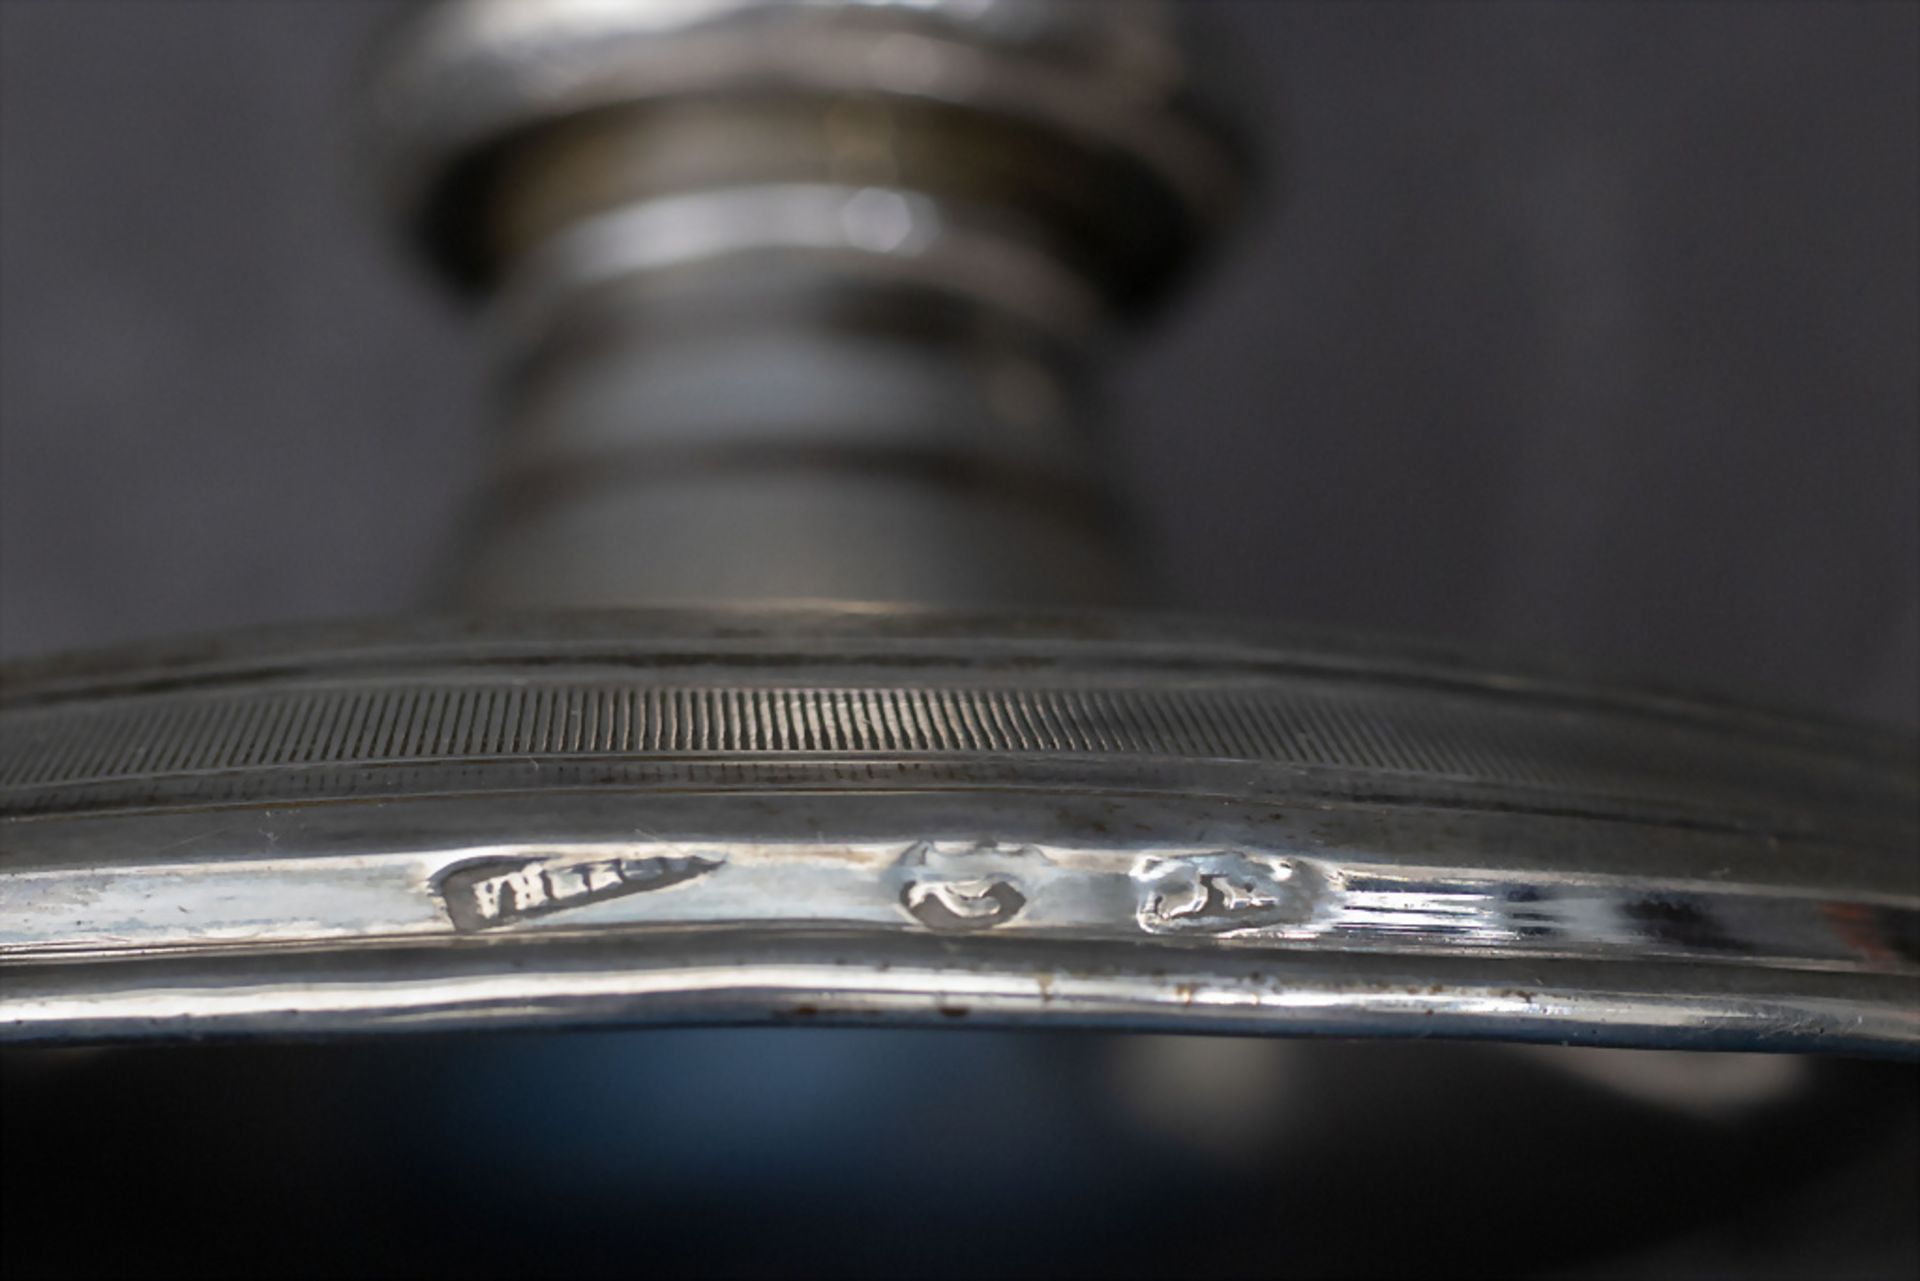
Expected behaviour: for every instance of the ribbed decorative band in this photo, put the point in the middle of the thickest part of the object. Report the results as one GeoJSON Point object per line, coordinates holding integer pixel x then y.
{"type": "Point", "coordinates": [47, 752]}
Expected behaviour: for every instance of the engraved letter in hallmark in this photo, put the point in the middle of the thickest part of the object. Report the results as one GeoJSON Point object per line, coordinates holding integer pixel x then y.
{"type": "Point", "coordinates": [495, 891]}
{"type": "Point", "coordinates": [965, 887]}
{"type": "Point", "coordinates": [1220, 893]}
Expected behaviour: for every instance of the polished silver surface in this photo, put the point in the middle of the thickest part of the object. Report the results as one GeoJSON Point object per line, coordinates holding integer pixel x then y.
{"type": "Point", "coordinates": [457, 78]}
{"type": "Point", "coordinates": [899, 816]}
{"type": "Point", "coordinates": [802, 300]}
{"type": "Point", "coordinates": [906, 238]}
{"type": "Point", "coordinates": [809, 300]}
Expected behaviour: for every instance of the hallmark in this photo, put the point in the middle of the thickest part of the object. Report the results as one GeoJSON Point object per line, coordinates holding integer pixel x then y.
{"type": "Point", "coordinates": [496, 892]}
{"type": "Point", "coordinates": [1219, 893]}
{"type": "Point", "coordinates": [966, 887]}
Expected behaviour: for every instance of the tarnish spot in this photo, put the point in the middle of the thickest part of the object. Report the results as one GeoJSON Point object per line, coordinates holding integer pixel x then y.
{"type": "Point", "coordinates": [1220, 893]}
{"type": "Point", "coordinates": [967, 887]}
{"type": "Point", "coordinates": [494, 892]}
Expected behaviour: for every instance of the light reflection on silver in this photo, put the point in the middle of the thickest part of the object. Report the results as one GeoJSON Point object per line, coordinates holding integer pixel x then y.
{"type": "Point", "coordinates": [1713, 1087]}
{"type": "Point", "coordinates": [736, 979]}
{"type": "Point", "coordinates": [1110, 73]}
{"type": "Point", "coordinates": [261, 919]}
{"type": "Point", "coordinates": [896, 815]}
{"type": "Point", "coordinates": [223, 891]}
{"type": "Point", "coordinates": [899, 235]}
{"type": "Point", "coordinates": [1227, 1098]}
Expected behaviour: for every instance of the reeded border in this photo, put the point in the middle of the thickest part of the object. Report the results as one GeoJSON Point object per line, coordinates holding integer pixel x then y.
{"type": "Point", "coordinates": [892, 816]}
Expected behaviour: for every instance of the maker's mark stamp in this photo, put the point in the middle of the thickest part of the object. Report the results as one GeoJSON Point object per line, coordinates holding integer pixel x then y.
{"type": "Point", "coordinates": [493, 892]}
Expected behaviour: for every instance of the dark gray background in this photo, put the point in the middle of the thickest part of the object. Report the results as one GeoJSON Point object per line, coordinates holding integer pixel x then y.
{"type": "Point", "coordinates": [1586, 328]}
